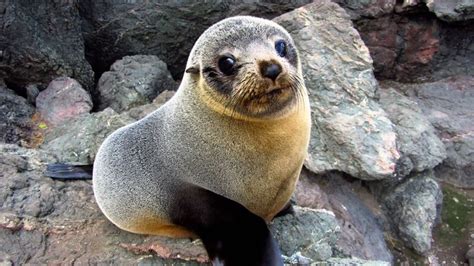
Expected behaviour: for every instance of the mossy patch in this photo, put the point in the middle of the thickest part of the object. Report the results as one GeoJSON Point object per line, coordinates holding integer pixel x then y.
{"type": "Point", "coordinates": [456, 216]}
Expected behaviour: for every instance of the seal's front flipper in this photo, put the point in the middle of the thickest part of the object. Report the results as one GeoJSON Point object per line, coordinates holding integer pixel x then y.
{"type": "Point", "coordinates": [231, 234]}
{"type": "Point", "coordinates": [68, 171]}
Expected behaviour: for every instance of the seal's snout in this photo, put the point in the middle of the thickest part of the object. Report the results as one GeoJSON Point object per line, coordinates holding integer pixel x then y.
{"type": "Point", "coordinates": [270, 70]}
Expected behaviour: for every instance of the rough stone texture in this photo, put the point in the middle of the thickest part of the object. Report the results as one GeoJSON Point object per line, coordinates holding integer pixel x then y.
{"type": "Point", "coordinates": [312, 233]}
{"type": "Point", "coordinates": [417, 46]}
{"type": "Point", "coordinates": [15, 116]}
{"type": "Point", "coordinates": [420, 147]}
{"type": "Point", "coordinates": [452, 10]}
{"type": "Point", "coordinates": [360, 218]}
{"type": "Point", "coordinates": [167, 29]}
{"type": "Point", "coordinates": [358, 9]}
{"type": "Point", "coordinates": [350, 132]}
{"type": "Point", "coordinates": [63, 100]}
{"type": "Point", "coordinates": [413, 207]}
{"type": "Point", "coordinates": [41, 41]}
{"type": "Point", "coordinates": [133, 81]}
{"type": "Point", "coordinates": [448, 105]}
{"type": "Point", "coordinates": [78, 141]}
{"type": "Point", "coordinates": [353, 262]}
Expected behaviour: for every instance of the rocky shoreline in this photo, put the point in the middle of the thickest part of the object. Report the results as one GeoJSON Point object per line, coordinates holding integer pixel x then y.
{"type": "Point", "coordinates": [391, 89]}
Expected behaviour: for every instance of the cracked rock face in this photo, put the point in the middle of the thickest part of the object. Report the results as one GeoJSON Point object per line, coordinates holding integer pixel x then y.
{"type": "Point", "coordinates": [350, 132]}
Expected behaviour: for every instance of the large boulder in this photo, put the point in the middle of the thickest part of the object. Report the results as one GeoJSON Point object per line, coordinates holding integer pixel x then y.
{"type": "Point", "coordinates": [361, 233]}
{"type": "Point", "coordinates": [15, 116]}
{"type": "Point", "coordinates": [64, 99]}
{"type": "Point", "coordinates": [420, 147]}
{"type": "Point", "coordinates": [350, 132]}
{"type": "Point", "coordinates": [447, 104]}
{"type": "Point", "coordinates": [452, 10]}
{"type": "Point", "coordinates": [133, 81]}
{"type": "Point", "coordinates": [413, 207]}
{"type": "Point", "coordinates": [311, 233]}
{"type": "Point", "coordinates": [166, 29]}
{"type": "Point", "coordinates": [41, 41]}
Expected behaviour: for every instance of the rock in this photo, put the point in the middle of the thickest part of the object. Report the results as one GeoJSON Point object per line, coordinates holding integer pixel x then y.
{"type": "Point", "coordinates": [41, 41]}
{"type": "Point", "coordinates": [165, 29]}
{"type": "Point", "coordinates": [63, 100]}
{"type": "Point", "coordinates": [452, 10]}
{"type": "Point", "coordinates": [357, 211]}
{"type": "Point", "coordinates": [15, 117]}
{"type": "Point", "coordinates": [77, 141]}
{"type": "Point", "coordinates": [417, 47]}
{"type": "Point", "coordinates": [312, 233]}
{"type": "Point", "coordinates": [413, 207]}
{"type": "Point", "coordinates": [353, 261]}
{"type": "Point", "coordinates": [367, 8]}
{"type": "Point", "coordinates": [350, 132]}
{"type": "Point", "coordinates": [133, 81]}
{"type": "Point", "coordinates": [416, 136]}
{"type": "Point", "coordinates": [32, 91]}
{"type": "Point", "coordinates": [447, 104]}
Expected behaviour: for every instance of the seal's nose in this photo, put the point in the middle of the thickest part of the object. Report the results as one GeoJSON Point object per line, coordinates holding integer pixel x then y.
{"type": "Point", "coordinates": [270, 70]}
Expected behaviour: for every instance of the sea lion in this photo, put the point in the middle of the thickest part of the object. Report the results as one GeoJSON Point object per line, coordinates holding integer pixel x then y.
{"type": "Point", "coordinates": [223, 155]}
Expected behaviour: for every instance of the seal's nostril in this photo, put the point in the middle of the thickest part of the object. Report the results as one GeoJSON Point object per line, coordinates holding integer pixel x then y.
{"type": "Point", "coordinates": [271, 71]}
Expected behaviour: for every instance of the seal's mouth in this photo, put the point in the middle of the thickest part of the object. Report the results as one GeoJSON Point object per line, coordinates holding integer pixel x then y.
{"type": "Point", "coordinates": [270, 93]}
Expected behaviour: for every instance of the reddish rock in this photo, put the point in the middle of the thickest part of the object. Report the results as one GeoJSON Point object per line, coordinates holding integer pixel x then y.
{"type": "Point", "coordinates": [63, 100]}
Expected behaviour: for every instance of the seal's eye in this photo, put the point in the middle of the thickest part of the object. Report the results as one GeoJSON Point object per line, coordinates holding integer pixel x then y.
{"type": "Point", "coordinates": [280, 47]}
{"type": "Point", "coordinates": [226, 64]}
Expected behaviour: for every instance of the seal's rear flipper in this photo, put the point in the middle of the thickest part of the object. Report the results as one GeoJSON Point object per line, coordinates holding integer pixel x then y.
{"type": "Point", "coordinates": [68, 171]}
{"type": "Point", "coordinates": [231, 234]}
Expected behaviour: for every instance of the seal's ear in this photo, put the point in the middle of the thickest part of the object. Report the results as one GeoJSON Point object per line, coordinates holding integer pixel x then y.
{"type": "Point", "coordinates": [193, 70]}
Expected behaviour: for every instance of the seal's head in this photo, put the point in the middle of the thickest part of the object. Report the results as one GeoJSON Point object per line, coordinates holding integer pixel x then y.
{"type": "Point", "coordinates": [247, 67]}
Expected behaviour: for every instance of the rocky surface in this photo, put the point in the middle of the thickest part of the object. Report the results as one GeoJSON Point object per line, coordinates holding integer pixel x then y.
{"type": "Point", "coordinates": [41, 41]}
{"type": "Point", "coordinates": [420, 147]}
{"type": "Point", "coordinates": [414, 208]}
{"type": "Point", "coordinates": [357, 129]}
{"type": "Point", "coordinates": [452, 10]}
{"type": "Point", "coordinates": [63, 100]}
{"type": "Point", "coordinates": [133, 81]}
{"type": "Point", "coordinates": [15, 116]}
{"type": "Point", "coordinates": [415, 46]}
{"type": "Point", "coordinates": [311, 233]}
{"type": "Point", "coordinates": [447, 104]}
{"type": "Point", "coordinates": [78, 140]}
{"type": "Point", "coordinates": [350, 132]}
{"type": "Point", "coordinates": [168, 30]}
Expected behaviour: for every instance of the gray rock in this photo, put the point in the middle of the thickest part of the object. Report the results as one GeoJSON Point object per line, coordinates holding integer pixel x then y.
{"type": "Point", "coordinates": [133, 81]}
{"type": "Point", "coordinates": [357, 211]}
{"type": "Point", "coordinates": [32, 91]}
{"type": "Point", "coordinates": [167, 29]}
{"type": "Point", "coordinates": [41, 41]}
{"type": "Point", "coordinates": [447, 104]}
{"type": "Point", "coordinates": [358, 9]}
{"type": "Point", "coordinates": [15, 117]}
{"type": "Point", "coordinates": [416, 137]}
{"type": "Point", "coordinates": [64, 99]}
{"type": "Point", "coordinates": [77, 141]}
{"type": "Point", "coordinates": [414, 207]}
{"type": "Point", "coordinates": [312, 233]}
{"type": "Point", "coordinates": [352, 262]}
{"type": "Point", "coordinates": [452, 10]}
{"type": "Point", "coordinates": [350, 132]}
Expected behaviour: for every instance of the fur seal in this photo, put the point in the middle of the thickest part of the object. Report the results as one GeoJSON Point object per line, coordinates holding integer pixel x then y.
{"type": "Point", "coordinates": [223, 155]}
